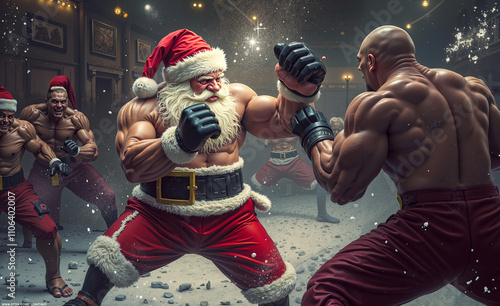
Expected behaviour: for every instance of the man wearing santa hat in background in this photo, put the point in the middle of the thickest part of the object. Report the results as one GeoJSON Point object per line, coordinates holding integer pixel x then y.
{"type": "Point", "coordinates": [61, 127]}
{"type": "Point", "coordinates": [17, 197]}
{"type": "Point", "coordinates": [181, 144]}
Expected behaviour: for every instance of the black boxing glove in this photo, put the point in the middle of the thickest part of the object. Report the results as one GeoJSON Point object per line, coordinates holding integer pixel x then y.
{"type": "Point", "coordinates": [311, 127]}
{"type": "Point", "coordinates": [196, 125]}
{"type": "Point", "coordinates": [57, 166]}
{"type": "Point", "coordinates": [301, 62]}
{"type": "Point", "coordinates": [71, 147]}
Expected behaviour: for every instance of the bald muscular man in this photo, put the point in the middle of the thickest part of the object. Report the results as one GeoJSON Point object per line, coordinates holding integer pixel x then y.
{"type": "Point", "coordinates": [437, 135]}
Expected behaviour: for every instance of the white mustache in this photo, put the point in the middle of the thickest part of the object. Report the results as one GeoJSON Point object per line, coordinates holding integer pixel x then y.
{"type": "Point", "coordinates": [203, 96]}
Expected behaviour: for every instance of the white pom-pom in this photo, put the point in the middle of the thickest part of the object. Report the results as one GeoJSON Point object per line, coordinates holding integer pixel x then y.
{"type": "Point", "coordinates": [145, 87]}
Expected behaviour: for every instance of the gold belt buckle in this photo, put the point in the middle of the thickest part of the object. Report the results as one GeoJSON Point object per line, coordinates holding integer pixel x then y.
{"type": "Point", "coordinates": [400, 200]}
{"type": "Point", "coordinates": [55, 180]}
{"type": "Point", "coordinates": [1, 182]}
{"type": "Point", "coordinates": [283, 155]}
{"type": "Point", "coordinates": [192, 189]}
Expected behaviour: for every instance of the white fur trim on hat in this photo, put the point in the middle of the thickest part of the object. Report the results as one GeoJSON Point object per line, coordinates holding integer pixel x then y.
{"type": "Point", "coordinates": [291, 96]}
{"type": "Point", "coordinates": [8, 105]}
{"type": "Point", "coordinates": [105, 254]}
{"type": "Point", "coordinates": [193, 66]}
{"type": "Point", "coordinates": [58, 88]}
{"type": "Point", "coordinates": [274, 291]}
{"type": "Point", "coordinates": [145, 87]}
{"type": "Point", "coordinates": [172, 148]}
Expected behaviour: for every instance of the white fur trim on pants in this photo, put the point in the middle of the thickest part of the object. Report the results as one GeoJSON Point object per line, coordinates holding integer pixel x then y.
{"type": "Point", "coordinates": [105, 254]}
{"type": "Point", "coordinates": [291, 96]}
{"type": "Point", "coordinates": [172, 148]}
{"type": "Point", "coordinates": [255, 182]}
{"type": "Point", "coordinates": [274, 291]}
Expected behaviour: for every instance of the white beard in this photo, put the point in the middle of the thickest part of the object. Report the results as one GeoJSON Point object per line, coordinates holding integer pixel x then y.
{"type": "Point", "coordinates": [174, 98]}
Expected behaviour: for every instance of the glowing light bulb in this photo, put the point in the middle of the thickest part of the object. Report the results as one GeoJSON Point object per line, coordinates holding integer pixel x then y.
{"type": "Point", "coordinates": [125, 15]}
{"type": "Point", "coordinates": [118, 10]}
{"type": "Point", "coordinates": [254, 17]}
{"type": "Point", "coordinates": [408, 26]}
{"type": "Point", "coordinates": [194, 4]}
{"type": "Point", "coordinates": [147, 7]}
{"type": "Point", "coordinates": [200, 5]}
{"type": "Point", "coordinates": [425, 3]}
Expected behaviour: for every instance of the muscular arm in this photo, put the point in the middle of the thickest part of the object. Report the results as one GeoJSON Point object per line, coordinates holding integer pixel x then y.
{"type": "Point", "coordinates": [140, 150]}
{"type": "Point", "coordinates": [481, 91]}
{"type": "Point", "coordinates": [35, 145]}
{"type": "Point", "coordinates": [346, 166]}
{"type": "Point", "coordinates": [266, 116]}
{"type": "Point", "coordinates": [88, 150]}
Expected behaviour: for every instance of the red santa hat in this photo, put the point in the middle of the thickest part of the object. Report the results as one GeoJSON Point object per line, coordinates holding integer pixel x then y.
{"type": "Point", "coordinates": [62, 82]}
{"type": "Point", "coordinates": [185, 55]}
{"type": "Point", "coordinates": [7, 102]}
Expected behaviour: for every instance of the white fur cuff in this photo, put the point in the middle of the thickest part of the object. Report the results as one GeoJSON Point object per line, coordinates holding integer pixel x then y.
{"type": "Point", "coordinates": [52, 161]}
{"type": "Point", "coordinates": [145, 87]}
{"type": "Point", "coordinates": [105, 254]}
{"type": "Point", "coordinates": [274, 291]}
{"type": "Point", "coordinates": [172, 148]}
{"type": "Point", "coordinates": [291, 96]}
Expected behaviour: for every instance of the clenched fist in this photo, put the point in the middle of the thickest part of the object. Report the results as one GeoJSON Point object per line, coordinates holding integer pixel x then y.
{"type": "Point", "coordinates": [196, 125]}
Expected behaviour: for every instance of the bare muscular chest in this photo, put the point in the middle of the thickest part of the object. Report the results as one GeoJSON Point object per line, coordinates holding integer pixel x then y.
{"type": "Point", "coordinates": [54, 133]}
{"type": "Point", "coordinates": [11, 148]}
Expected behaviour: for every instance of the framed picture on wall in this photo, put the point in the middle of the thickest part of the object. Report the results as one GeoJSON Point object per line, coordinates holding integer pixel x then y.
{"type": "Point", "coordinates": [143, 51]}
{"type": "Point", "coordinates": [103, 39]}
{"type": "Point", "coordinates": [46, 33]}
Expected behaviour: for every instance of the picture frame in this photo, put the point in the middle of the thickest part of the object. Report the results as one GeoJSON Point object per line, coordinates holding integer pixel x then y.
{"type": "Point", "coordinates": [46, 33]}
{"type": "Point", "coordinates": [143, 51]}
{"type": "Point", "coordinates": [104, 39]}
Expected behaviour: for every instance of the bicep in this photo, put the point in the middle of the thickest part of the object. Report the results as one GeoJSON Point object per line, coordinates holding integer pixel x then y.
{"type": "Point", "coordinates": [138, 131]}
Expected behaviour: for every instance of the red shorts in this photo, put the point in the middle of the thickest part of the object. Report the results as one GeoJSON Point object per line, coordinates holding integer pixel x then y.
{"type": "Point", "coordinates": [83, 180]}
{"type": "Point", "coordinates": [25, 213]}
{"type": "Point", "coordinates": [236, 242]}
{"type": "Point", "coordinates": [420, 249]}
{"type": "Point", "coordinates": [297, 170]}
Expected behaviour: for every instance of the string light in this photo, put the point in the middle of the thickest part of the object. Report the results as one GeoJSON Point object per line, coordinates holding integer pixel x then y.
{"type": "Point", "coordinates": [425, 15]}
{"type": "Point", "coordinates": [425, 3]}
{"type": "Point", "coordinates": [66, 3]}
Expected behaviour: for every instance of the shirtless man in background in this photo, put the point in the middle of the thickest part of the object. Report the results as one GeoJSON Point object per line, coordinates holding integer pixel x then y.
{"type": "Point", "coordinates": [17, 197]}
{"type": "Point", "coordinates": [437, 135]}
{"type": "Point", "coordinates": [61, 128]}
{"type": "Point", "coordinates": [285, 162]}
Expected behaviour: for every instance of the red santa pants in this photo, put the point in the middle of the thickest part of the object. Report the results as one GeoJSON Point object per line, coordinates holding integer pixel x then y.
{"type": "Point", "coordinates": [297, 170]}
{"type": "Point", "coordinates": [83, 180]}
{"type": "Point", "coordinates": [236, 242]}
{"type": "Point", "coordinates": [20, 197]}
{"type": "Point", "coordinates": [420, 249]}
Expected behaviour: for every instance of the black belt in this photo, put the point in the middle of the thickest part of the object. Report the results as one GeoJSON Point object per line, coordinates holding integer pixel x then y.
{"type": "Point", "coordinates": [284, 155]}
{"type": "Point", "coordinates": [177, 187]}
{"type": "Point", "coordinates": [11, 181]}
